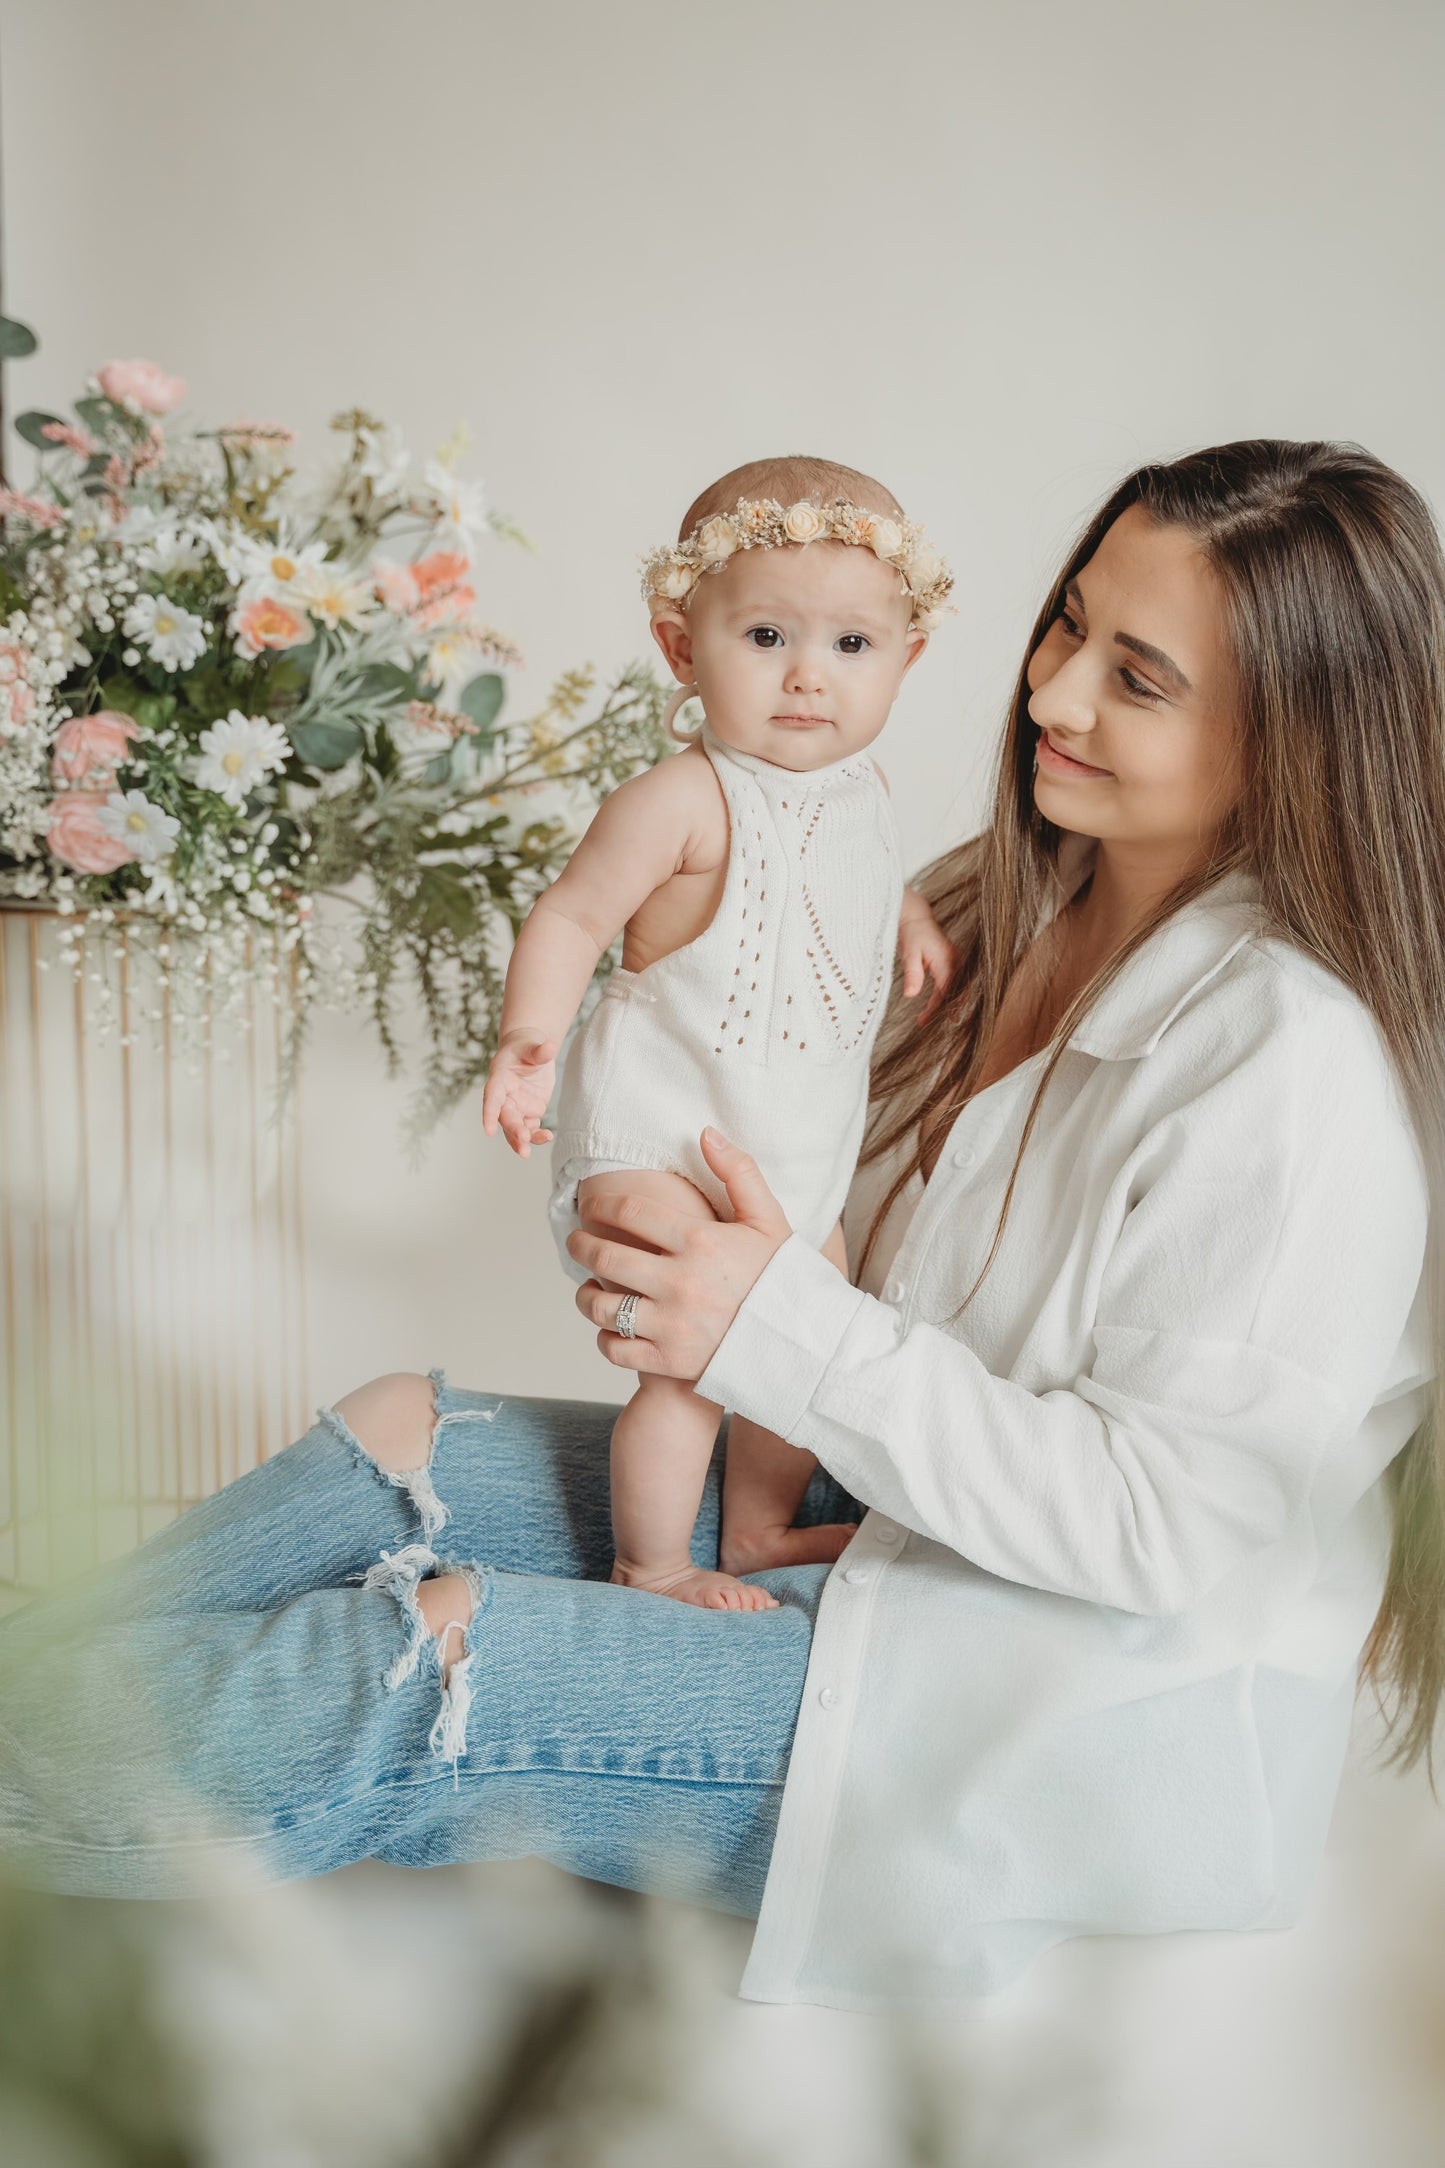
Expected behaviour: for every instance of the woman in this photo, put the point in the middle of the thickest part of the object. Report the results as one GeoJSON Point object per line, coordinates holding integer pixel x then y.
{"type": "Point", "coordinates": [1141, 1365]}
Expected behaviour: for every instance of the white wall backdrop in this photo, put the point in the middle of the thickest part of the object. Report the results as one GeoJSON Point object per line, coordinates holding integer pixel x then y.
{"type": "Point", "coordinates": [995, 253]}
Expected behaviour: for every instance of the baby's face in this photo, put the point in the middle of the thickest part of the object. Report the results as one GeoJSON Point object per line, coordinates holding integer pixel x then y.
{"type": "Point", "coordinates": [797, 654]}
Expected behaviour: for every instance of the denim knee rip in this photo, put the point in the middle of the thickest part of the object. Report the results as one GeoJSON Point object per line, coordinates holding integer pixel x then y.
{"type": "Point", "coordinates": [416, 1482]}
{"type": "Point", "coordinates": [396, 1573]}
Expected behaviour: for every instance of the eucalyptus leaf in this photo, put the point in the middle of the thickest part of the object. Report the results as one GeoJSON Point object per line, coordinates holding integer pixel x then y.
{"type": "Point", "coordinates": [98, 414]}
{"type": "Point", "coordinates": [154, 710]}
{"type": "Point", "coordinates": [16, 340]}
{"type": "Point", "coordinates": [437, 771]}
{"type": "Point", "coordinates": [388, 681]}
{"type": "Point", "coordinates": [444, 903]}
{"type": "Point", "coordinates": [291, 669]}
{"type": "Point", "coordinates": [326, 745]}
{"type": "Point", "coordinates": [482, 700]}
{"type": "Point", "coordinates": [31, 424]}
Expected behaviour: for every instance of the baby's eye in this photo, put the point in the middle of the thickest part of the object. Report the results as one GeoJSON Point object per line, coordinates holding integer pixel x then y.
{"type": "Point", "coordinates": [854, 643]}
{"type": "Point", "coordinates": [765, 636]}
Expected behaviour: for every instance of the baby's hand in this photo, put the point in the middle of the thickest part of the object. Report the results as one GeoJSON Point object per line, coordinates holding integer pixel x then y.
{"type": "Point", "coordinates": [927, 952]}
{"type": "Point", "coordinates": [519, 1084]}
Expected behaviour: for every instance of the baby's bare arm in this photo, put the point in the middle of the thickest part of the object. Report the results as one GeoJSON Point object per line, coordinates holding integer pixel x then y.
{"type": "Point", "coordinates": [640, 836]}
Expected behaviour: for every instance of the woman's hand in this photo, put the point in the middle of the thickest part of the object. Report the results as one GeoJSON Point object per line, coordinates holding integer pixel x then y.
{"type": "Point", "coordinates": [694, 1285]}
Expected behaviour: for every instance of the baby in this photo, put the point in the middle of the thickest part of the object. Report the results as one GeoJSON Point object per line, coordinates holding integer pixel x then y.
{"type": "Point", "coordinates": [756, 882]}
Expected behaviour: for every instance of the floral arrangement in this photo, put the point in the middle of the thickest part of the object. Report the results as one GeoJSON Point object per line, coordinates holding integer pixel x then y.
{"type": "Point", "coordinates": [670, 573]}
{"type": "Point", "coordinates": [226, 694]}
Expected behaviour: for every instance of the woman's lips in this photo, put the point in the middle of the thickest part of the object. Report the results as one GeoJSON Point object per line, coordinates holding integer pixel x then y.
{"type": "Point", "coordinates": [1051, 757]}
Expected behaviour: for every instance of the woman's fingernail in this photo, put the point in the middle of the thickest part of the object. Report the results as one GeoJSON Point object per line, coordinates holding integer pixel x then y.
{"type": "Point", "coordinates": [714, 1136]}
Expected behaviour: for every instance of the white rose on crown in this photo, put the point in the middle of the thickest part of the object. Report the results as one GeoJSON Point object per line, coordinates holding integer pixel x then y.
{"type": "Point", "coordinates": [676, 581]}
{"type": "Point", "coordinates": [716, 539]}
{"type": "Point", "coordinates": [803, 522]}
{"type": "Point", "coordinates": [886, 538]}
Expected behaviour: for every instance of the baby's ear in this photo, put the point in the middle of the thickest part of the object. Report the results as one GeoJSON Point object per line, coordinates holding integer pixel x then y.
{"type": "Point", "coordinates": [673, 634]}
{"type": "Point", "coordinates": [916, 643]}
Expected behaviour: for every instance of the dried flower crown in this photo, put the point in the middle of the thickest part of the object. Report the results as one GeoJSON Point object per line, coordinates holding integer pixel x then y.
{"type": "Point", "coordinates": [670, 574]}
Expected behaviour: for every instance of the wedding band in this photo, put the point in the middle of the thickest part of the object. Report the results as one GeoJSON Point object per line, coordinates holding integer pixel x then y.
{"type": "Point", "coordinates": [626, 1319]}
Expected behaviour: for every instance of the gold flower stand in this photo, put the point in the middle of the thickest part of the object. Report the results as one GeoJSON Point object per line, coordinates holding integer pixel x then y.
{"type": "Point", "coordinates": [152, 1256]}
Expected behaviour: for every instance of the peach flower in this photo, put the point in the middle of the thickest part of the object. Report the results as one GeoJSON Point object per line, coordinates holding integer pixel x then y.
{"type": "Point", "coordinates": [89, 748]}
{"type": "Point", "coordinates": [716, 539]}
{"type": "Point", "coordinates": [17, 695]}
{"type": "Point", "coordinates": [267, 623]}
{"type": "Point", "coordinates": [140, 386]}
{"type": "Point", "coordinates": [396, 586]}
{"type": "Point", "coordinates": [443, 593]}
{"type": "Point", "coordinates": [77, 838]}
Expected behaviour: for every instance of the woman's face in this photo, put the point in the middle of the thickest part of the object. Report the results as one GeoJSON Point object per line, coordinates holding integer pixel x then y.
{"type": "Point", "coordinates": [1132, 680]}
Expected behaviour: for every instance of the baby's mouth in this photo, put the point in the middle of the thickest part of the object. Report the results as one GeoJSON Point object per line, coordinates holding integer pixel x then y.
{"type": "Point", "coordinates": [803, 721]}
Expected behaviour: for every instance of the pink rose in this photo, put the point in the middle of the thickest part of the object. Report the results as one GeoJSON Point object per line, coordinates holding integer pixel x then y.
{"type": "Point", "coordinates": [267, 623]}
{"type": "Point", "coordinates": [140, 386]}
{"type": "Point", "coordinates": [76, 837]}
{"type": "Point", "coordinates": [89, 748]}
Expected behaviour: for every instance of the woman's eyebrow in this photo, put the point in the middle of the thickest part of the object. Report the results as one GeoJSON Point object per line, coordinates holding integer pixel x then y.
{"type": "Point", "coordinates": [1156, 656]}
{"type": "Point", "coordinates": [1164, 664]}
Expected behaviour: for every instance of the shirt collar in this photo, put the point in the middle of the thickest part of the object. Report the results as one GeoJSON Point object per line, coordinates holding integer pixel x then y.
{"type": "Point", "coordinates": [1131, 1015]}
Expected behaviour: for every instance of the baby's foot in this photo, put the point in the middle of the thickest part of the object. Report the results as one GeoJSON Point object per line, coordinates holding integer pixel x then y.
{"type": "Point", "coordinates": [694, 1584]}
{"type": "Point", "coordinates": [752, 1550]}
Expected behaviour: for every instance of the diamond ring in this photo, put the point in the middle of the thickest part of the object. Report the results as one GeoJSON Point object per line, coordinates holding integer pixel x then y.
{"type": "Point", "coordinates": [626, 1319]}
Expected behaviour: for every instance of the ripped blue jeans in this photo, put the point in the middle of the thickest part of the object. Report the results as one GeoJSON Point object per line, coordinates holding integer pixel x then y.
{"type": "Point", "coordinates": [259, 1677]}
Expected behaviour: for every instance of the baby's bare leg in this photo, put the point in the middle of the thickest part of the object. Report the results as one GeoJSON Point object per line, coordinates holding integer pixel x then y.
{"type": "Point", "coordinates": [661, 1445]}
{"type": "Point", "coordinates": [763, 1487]}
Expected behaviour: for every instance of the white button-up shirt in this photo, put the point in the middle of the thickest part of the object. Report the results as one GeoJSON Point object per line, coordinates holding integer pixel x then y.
{"type": "Point", "coordinates": [1089, 1663]}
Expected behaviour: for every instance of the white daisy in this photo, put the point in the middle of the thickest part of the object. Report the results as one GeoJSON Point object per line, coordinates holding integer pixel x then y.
{"type": "Point", "coordinates": [459, 508]}
{"type": "Point", "coordinates": [171, 549]}
{"type": "Point", "coordinates": [333, 595]}
{"type": "Point", "coordinates": [273, 567]}
{"type": "Point", "coordinates": [238, 753]}
{"type": "Point", "coordinates": [452, 661]}
{"type": "Point", "coordinates": [171, 636]}
{"type": "Point", "coordinates": [144, 828]}
{"type": "Point", "coordinates": [383, 460]}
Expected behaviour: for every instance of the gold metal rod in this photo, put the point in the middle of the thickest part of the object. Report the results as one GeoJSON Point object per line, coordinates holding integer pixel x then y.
{"type": "Point", "coordinates": [45, 1402]}
{"type": "Point", "coordinates": [130, 1299]}
{"type": "Point", "coordinates": [298, 1422]}
{"type": "Point", "coordinates": [84, 1352]}
{"type": "Point", "coordinates": [259, 1275]}
{"type": "Point", "coordinates": [7, 1252]}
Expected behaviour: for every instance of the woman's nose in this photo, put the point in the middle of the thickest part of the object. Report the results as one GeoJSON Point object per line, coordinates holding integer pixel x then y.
{"type": "Point", "coordinates": [1065, 698]}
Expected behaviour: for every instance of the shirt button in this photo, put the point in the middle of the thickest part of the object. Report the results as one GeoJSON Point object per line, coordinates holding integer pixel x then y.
{"type": "Point", "coordinates": [885, 1531]}
{"type": "Point", "coordinates": [893, 1290]}
{"type": "Point", "coordinates": [963, 1157]}
{"type": "Point", "coordinates": [827, 1696]}
{"type": "Point", "coordinates": [857, 1574]}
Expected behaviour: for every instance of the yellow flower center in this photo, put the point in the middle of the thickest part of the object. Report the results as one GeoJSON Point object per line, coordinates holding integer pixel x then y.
{"type": "Point", "coordinates": [233, 762]}
{"type": "Point", "coordinates": [136, 822]}
{"type": "Point", "coordinates": [164, 623]}
{"type": "Point", "coordinates": [284, 568]}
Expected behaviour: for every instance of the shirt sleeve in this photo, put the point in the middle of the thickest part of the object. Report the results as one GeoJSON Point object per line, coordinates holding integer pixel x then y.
{"type": "Point", "coordinates": [1271, 1233]}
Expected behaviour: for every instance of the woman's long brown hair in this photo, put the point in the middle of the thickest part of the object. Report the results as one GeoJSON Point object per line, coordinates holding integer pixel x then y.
{"type": "Point", "coordinates": [1334, 586]}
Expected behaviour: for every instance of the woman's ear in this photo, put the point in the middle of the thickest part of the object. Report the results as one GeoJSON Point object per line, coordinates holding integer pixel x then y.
{"type": "Point", "coordinates": [673, 634]}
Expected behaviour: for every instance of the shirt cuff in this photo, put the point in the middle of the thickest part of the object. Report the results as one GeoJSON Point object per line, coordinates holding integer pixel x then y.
{"type": "Point", "coordinates": [769, 1361]}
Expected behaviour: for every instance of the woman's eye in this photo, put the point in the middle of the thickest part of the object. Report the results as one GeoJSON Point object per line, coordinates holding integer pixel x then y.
{"type": "Point", "coordinates": [1139, 689]}
{"type": "Point", "coordinates": [1072, 629]}
{"type": "Point", "coordinates": [854, 643]}
{"type": "Point", "coordinates": [766, 636]}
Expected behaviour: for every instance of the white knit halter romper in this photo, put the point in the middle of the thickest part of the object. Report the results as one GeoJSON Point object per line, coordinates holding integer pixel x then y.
{"type": "Point", "coordinates": [764, 1024]}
